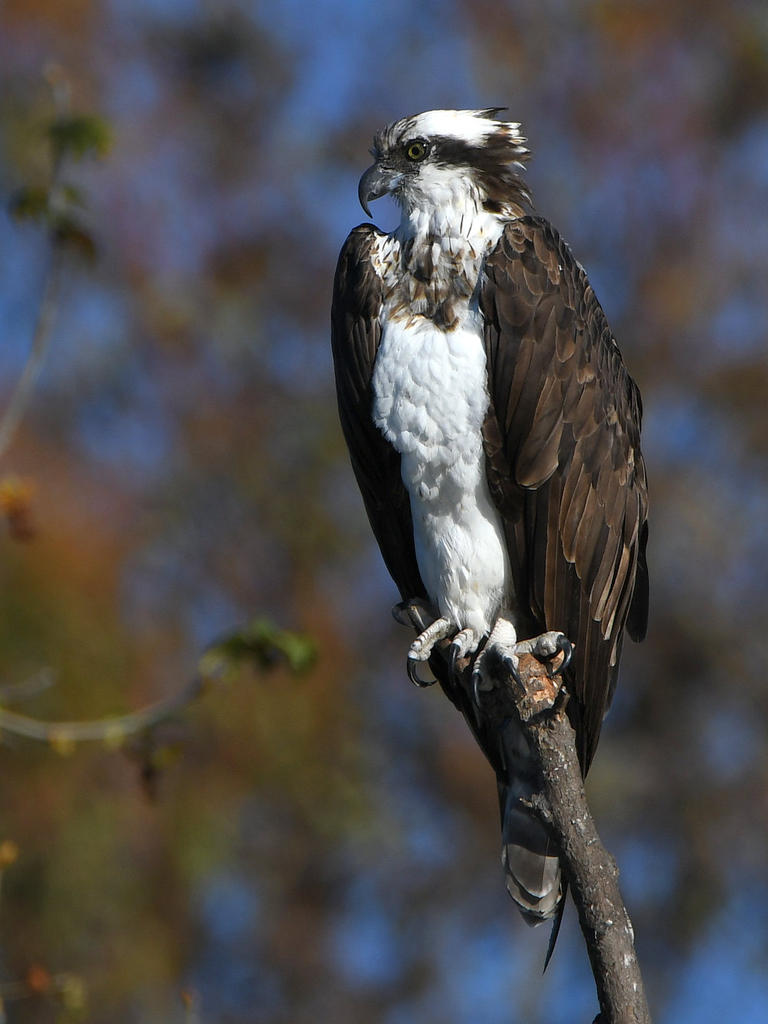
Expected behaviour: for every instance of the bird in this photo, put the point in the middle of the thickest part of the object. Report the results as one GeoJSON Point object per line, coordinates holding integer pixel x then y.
{"type": "Point", "coordinates": [494, 432]}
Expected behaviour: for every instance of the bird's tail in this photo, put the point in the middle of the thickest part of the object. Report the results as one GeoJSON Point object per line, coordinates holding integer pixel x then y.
{"type": "Point", "coordinates": [528, 853]}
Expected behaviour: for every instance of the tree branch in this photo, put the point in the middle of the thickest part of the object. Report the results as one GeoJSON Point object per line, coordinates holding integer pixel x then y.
{"type": "Point", "coordinates": [113, 730]}
{"type": "Point", "coordinates": [37, 354]}
{"type": "Point", "coordinates": [592, 874]}
{"type": "Point", "coordinates": [258, 643]}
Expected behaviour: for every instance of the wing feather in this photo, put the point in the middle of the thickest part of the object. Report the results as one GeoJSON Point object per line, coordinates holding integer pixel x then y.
{"type": "Point", "coordinates": [564, 462]}
{"type": "Point", "coordinates": [355, 337]}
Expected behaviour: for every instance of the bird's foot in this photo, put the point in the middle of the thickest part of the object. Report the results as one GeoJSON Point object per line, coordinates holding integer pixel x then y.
{"type": "Point", "coordinates": [463, 645]}
{"type": "Point", "coordinates": [432, 628]}
{"type": "Point", "coordinates": [427, 622]}
{"type": "Point", "coordinates": [501, 656]}
{"type": "Point", "coordinates": [546, 648]}
{"type": "Point", "coordinates": [422, 646]}
{"type": "Point", "coordinates": [498, 656]}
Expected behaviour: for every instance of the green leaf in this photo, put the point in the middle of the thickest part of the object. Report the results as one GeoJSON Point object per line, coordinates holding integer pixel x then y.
{"type": "Point", "coordinates": [29, 203]}
{"type": "Point", "coordinates": [263, 644]}
{"type": "Point", "coordinates": [72, 195]}
{"type": "Point", "coordinates": [79, 136]}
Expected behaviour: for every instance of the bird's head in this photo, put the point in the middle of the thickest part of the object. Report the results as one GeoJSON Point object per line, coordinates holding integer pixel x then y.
{"type": "Point", "coordinates": [444, 157]}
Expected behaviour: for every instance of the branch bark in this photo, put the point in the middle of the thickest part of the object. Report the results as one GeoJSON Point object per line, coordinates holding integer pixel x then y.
{"type": "Point", "coordinates": [591, 872]}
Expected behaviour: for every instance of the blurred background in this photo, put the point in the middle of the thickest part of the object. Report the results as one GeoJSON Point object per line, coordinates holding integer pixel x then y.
{"type": "Point", "coordinates": [323, 846]}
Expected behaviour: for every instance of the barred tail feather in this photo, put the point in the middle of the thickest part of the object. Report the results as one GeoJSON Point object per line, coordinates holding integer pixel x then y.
{"type": "Point", "coordinates": [529, 856]}
{"type": "Point", "coordinates": [532, 866]}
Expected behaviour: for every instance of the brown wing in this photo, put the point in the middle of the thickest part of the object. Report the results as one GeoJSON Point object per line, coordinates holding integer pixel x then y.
{"type": "Point", "coordinates": [564, 462]}
{"type": "Point", "coordinates": [355, 336]}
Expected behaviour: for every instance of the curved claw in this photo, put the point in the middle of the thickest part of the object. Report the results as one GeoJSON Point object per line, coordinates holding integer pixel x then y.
{"type": "Point", "coordinates": [410, 667]}
{"type": "Point", "coordinates": [507, 664]}
{"type": "Point", "coordinates": [511, 667]}
{"type": "Point", "coordinates": [476, 680]}
{"type": "Point", "coordinates": [453, 656]}
{"type": "Point", "coordinates": [565, 647]}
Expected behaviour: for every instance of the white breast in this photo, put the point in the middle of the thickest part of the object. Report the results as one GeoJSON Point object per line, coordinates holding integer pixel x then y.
{"type": "Point", "coordinates": [430, 400]}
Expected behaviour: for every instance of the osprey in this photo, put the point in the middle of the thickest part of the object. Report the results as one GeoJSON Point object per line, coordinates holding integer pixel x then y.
{"type": "Point", "coordinates": [495, 436]}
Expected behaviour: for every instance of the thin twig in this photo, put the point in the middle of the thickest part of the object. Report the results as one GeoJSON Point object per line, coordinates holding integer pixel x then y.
{"type": "Point", "coordinates": [14, 693]}
{"type": "Point", "coordinates": [46, 312]}
{"type": "Point", "coordinates": [113, 729]}
{"type": "Point", "coordinates": [37, 354]}
{"type": "Point", "coordinates": [258, 644]}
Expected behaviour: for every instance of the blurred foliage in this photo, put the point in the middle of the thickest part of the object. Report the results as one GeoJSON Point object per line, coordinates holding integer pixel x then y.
{"type": "Point", "coordinates": [16, 497]}
{"type": "Point", "coordinates": [323, 846]}
{"type": "Point", "coordinates": [261, 643]}
{"type": "Point", "coordinates": [59, 205]}
{"type": "Point", "coordinates": [79, 136]}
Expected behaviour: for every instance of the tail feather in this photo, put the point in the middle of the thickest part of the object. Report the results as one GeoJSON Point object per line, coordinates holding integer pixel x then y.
{"type": "Point", "coordinates": [529, 856]}
{"type": "Point", "coordinates": [558, 920]}
{"type": "Point", "coordinates": [531, 864]}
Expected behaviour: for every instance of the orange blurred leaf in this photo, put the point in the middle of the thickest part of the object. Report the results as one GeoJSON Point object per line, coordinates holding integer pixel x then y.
{"type": "Point", "coordinates": [16, 505]}
{"type": "Point", "coordinates": [9, 852]}
{"type": "Point", "coordinates": [37, 978]}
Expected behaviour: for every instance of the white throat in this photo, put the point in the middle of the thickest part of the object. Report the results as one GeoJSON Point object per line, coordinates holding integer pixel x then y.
{"type": "Point", "coordinates": [431, 263]}
{"type": "Point", "coordinates": [443, 204]}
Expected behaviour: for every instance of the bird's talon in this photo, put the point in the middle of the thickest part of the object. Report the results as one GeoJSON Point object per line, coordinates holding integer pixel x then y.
{"type": "Point", "coordinates": [462, 645]}
{"type": "Point", "coordinates": [411, 666]}
{"type": "Point", "coordinates": [453, 657]}
{"type": "Point", "coordinates": [510, 664]}
{"type": "Point", "coordinates": [567, 648]}
{"type": "Point", "coordinates": [564, 647]}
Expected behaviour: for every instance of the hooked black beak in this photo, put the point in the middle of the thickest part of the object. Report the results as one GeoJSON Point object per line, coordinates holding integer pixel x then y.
{"type": "Point", "coordinates": [374, 184]}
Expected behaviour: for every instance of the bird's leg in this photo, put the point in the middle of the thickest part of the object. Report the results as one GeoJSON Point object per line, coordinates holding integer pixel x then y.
{"type": "Point", "coordinates": [503, 650]}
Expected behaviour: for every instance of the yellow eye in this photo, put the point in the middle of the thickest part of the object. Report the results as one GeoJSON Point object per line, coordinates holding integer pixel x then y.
{"type": "Point", "coordinates": [416, 150]}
